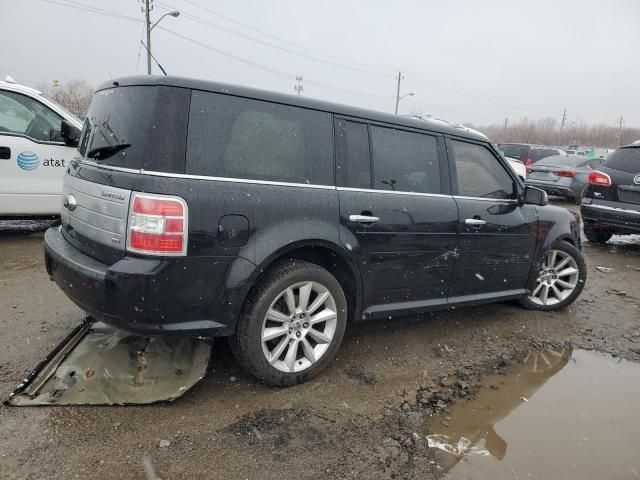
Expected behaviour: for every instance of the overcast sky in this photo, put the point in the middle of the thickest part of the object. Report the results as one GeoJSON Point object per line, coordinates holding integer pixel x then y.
{"type": "Point", "coordinates": [465, 61]}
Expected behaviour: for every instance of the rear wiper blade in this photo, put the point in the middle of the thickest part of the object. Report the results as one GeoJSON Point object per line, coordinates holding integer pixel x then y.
{"type": "Point", "coordinates": [100, 153]}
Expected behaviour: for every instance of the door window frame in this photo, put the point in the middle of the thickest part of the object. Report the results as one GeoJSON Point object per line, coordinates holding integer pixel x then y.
{"type": "Point", "coordinates": [22, 135]}
{"type": "Point", "coordinates": [519, 190]}
{"type": "Point", "coordinates": [445, 176]}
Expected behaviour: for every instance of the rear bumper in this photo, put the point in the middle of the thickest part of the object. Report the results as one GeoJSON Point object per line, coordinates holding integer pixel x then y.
{"type": "Point", "coordinates": [553, 189]}
{"type": "Point", "coordinates": [617, 216]}
{"type": "Point", "coordinates": [151, 296]}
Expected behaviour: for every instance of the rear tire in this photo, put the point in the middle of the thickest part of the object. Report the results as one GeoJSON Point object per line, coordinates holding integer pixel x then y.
{"type": "Point", "coordinates": [291, 325]}
{"type": "Point", "coordinates": [560, 280]}
{"type": "Point", "coordinates": [597, 236]}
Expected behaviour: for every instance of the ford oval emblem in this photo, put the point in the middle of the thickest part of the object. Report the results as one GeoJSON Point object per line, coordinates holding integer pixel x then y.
{"type": "Point", "coordinates": [70, 203]}
{"type": "Point", "coordinates": [636, 179]}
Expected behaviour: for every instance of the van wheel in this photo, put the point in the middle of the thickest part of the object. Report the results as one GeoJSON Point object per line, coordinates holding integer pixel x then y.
{"type": "Point", "coordinates": [597, 235]}
{"type": "Point", "coordinates": [292, 324]}
{"type": "Point", "coordinates": [560, 280]}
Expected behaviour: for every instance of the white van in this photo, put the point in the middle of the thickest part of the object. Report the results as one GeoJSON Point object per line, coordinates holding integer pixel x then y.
{"type": "Point", "coordinates": [38, 138]}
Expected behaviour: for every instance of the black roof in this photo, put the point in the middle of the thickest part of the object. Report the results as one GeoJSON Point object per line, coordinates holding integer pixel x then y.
{"type": "Point", "coordinates": [294, 100]}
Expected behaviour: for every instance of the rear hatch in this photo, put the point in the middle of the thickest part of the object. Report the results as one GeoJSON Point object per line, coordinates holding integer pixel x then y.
{"type": "Point", "coordinates": [129, 128]}
{"type": "Point", "coordinates": [623, 167]}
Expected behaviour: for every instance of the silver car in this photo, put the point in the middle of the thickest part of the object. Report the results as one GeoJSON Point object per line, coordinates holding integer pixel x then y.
{"type": "Point", "coordinates": [563, 175]}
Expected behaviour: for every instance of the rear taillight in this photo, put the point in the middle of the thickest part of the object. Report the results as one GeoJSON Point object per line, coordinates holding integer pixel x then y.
{"type": "Point", "coordinates": [565, 173]}
{"type": "Point", "coordinates": [157, 225]}
{"type": "Point", "coordinates": [527, 163]}
{"type": "Point", "coordinates": [599, 178]}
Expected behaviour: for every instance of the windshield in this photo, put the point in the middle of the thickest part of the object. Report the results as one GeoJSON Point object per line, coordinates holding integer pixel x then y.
{"type": "Point", "coordinates": [513, 150]}
{"type": "Point", "coordinates": [119, 116]}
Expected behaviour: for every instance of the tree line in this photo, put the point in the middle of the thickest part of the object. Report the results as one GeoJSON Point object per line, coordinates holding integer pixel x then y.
{"type": "Point", "coordinates": [547, 131]}
{"type": "Point", "coordinates": [74, 95]}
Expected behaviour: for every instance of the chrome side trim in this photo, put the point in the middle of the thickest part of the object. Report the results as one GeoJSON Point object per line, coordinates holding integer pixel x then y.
{"type": "Point", "coordinates": [503, 200]}
{"type": "Point", "coordinates": [108, 167]}
{"type": "Point", "coordinates": [611, 209]}
{"type": "Point", "coordinates": [236, 180]}
{"type": "Point", "coordinates": [392, 192]}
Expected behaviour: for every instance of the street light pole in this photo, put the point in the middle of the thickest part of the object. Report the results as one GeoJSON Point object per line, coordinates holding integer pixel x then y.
{"type": "Point", "coordinates": [148, 22]}
{"type": "Point", "coordinates": [148, 6]}
{"type": "Point", "coordinates": [398, 91]}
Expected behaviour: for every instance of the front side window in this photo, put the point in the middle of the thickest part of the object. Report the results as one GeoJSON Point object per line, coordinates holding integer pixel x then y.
{"type": "Point", "coordinates": [245, 138]}
{"type": "Point", "coordinates": [404, 161]}
{"type": "Point", "coordinates": [22, 115]}
{"type": "Point", "coordinates": [480, 173]}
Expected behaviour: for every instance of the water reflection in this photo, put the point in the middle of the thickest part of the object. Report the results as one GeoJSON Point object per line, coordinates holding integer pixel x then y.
{"type": "Point", "coordinates": [561, 414]}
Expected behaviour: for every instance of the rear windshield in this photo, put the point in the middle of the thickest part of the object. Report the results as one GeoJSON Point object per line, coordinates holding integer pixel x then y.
{"type": "Point", "coordinates": [625, 160]}
{"type": "Point", "coordinates": [138, 127]}
{"type": "Point", "coordinates": [513, 151]}
{"type": "Point", "coordinates": [540, 153]}
{"type": "Point", "coordinates": [566, 160]}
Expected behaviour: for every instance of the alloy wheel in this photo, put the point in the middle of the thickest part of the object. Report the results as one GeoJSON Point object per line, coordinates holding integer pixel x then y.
{"type": "Point", "coordinates": [557, 279]}
{"type": "Point", "coordinates": [299, 326]}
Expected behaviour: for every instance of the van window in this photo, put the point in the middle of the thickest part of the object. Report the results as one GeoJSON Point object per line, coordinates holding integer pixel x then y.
{"type": "Point", "coordinates": [353, 167]}
{"type": "Point", "coordinates": [26, 116]}
{"type": "Point", "coordinates": [244, 138]}
{"type": "Point", "coordinates": [480, 173]}
{"type": "Point", "coordinates": [404, 161]}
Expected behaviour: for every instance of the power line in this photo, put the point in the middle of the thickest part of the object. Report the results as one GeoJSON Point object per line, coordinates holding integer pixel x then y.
{"type": "Point", "coordinates": [267, 44]}
{"type": "Point", "coordinates": [88, 8]}
{"type": "Point", "coordinates": [285, 41]}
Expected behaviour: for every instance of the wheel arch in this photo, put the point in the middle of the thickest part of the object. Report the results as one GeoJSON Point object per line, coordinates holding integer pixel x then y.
{"type": "Point", "coordinates": [326, 254]}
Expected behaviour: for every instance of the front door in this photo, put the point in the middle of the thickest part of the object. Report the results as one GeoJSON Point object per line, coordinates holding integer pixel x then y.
{"type": "Point", "coordinates": [497, 235]}
{"type": "Point", "coordinates": [397, 216]}
{"type": "Point", "coordinates": [33, 156]}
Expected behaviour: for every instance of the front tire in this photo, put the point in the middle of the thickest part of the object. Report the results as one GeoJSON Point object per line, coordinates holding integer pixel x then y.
{"type": "Point", "coordinates": [560, 280]}
{"type": "Point", "coordinates": [292, 324]}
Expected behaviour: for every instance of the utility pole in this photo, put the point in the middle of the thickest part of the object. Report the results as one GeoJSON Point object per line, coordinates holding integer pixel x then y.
{"type": "Point", "coordinates": [620, 124]}
{"type": "Point", "coordinates": [298, 87]}
{"type": "Point", "coordinates": [148, 6]}
{"type": "Point", "coordinates": [400, 77]}
{"type": "Point", "coordinates": [564, 119]}
{"type": "Point", "coordinates": [504, 130]}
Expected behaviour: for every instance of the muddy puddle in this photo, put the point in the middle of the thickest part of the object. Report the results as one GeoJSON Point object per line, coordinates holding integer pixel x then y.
{"type": "Point", "coordinates": [561, 414]}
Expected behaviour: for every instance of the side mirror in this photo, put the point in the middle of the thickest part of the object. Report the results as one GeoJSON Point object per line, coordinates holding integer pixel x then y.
{"type": "Point", "coordinates": [69, 133]}
{"type": "Point", "coordinates": [535, 196]}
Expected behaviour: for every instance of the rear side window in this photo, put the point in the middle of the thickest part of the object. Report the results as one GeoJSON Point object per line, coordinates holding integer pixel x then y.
{"type": "Point", "coordinates": [480, 173]}
{"type": "Point", "coordinates": [625, 160]}
{"type": "Point", "coordinates": [353, 167]}
{"type": "Point", "coordinates": [404, 161]}
{"type": "Point", "coordinates": [244, 138]}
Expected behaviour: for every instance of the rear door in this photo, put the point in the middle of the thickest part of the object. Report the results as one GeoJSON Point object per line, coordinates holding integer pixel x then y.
{"type": "Point", "coordinates": [497, 235]}
{"type": "Point", "coordinates": [397, 215]}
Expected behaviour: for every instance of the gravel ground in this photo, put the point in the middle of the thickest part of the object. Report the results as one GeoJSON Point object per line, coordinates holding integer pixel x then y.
{"type": "Point", "coordinates": [360, 419]}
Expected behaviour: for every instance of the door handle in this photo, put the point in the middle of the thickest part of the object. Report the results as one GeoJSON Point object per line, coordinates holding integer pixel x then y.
{"type": "Point", "coordinates": [363, 219]}
{"type": "Point", "coordinates": [5, 153]}
{"type": "Point", "coordinates": [475, 222]}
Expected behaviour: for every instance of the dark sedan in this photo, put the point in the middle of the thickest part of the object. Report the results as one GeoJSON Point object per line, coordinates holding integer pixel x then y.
{"type": "Point", "coordinates": [563, 175]}
{"type": "Point", "coordinates": [611, 203]}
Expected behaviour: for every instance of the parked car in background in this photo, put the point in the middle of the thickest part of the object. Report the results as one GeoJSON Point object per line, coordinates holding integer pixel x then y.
{"type": "Point", "coordinates": [611, 203]}
{"type": "Point", "coordinates": [527, 153]}
{"type": "Point", "coordinates": [208, 209]}
{"type": "Point", "coordinates": [38, 138]}
{"type": "Point", "coordinates": [563, 175]}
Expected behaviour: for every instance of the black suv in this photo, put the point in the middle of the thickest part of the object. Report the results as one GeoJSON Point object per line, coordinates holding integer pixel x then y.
{"type": "Point", "coordinates": [206, 209]}
{"type": "Point", "coordinates": [611, 203]}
